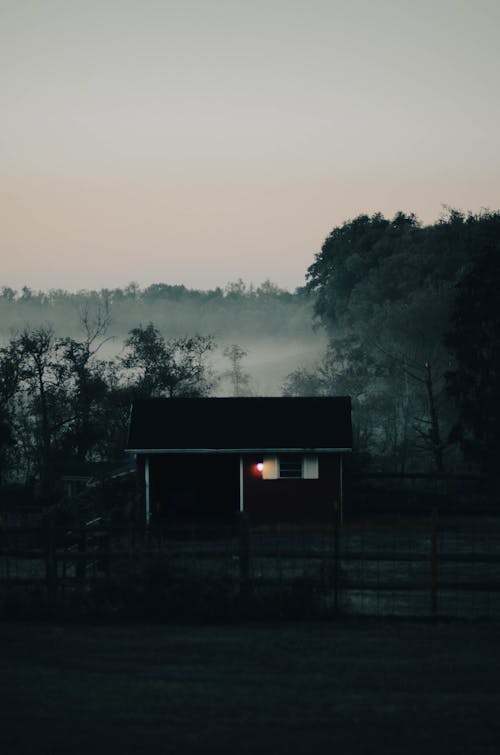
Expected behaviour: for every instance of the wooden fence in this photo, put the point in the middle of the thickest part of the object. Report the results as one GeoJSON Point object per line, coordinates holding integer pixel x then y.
{"type": "Point", "coordinates": [426, 569]}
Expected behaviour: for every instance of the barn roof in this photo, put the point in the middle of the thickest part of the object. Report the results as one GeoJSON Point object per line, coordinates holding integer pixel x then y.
{"type": "Point", "coordinates": [225, 425]}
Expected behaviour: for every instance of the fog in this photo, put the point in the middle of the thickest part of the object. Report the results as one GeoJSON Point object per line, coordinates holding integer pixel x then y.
{"type": "Point", "coordinates": [274, 327]}
{"type": "Point", "coordinates": [269, 360]}
{"type": "Point", "coordinates": [387, 318]}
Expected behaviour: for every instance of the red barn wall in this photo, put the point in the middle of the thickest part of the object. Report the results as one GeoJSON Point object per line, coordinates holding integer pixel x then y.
{"type": "Point", "coordinates": [292, 500]}
{"type": "Point", "coordinates": [209, 487]}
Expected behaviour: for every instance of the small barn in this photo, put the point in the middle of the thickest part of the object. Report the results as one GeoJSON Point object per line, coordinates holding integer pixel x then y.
{"type": "Point", "coordinates": [275, 459]}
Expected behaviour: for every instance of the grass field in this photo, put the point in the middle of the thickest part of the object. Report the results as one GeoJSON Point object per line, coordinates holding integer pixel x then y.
{"type": "Point", "coordinates": [345, 687]}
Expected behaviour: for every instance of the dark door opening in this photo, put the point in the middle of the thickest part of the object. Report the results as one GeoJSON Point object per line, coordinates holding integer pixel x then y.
{"type": "Point", "coordinates": [195, 488]}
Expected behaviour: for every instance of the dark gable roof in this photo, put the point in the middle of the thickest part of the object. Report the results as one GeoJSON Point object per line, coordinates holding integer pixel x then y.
{"type": "Point", "coordinates": [238, 424]}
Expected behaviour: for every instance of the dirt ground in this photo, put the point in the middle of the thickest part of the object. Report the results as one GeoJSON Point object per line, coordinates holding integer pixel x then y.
{"type": "Point", "coordinates": [348, 687]}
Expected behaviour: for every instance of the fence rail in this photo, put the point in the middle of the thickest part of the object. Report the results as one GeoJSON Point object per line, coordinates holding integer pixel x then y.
{"type": "Point", "coordinates": [416, 570]}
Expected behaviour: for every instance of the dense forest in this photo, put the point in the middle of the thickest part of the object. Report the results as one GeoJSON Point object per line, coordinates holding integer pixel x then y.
{"type": "Point", "coordinates": [402, 317]}
{"type": "Point", "coordinates": [413, 324]}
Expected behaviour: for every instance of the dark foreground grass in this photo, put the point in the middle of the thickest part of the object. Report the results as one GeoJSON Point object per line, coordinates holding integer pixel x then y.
{"type": "Point", "coordinates": [343, 687]}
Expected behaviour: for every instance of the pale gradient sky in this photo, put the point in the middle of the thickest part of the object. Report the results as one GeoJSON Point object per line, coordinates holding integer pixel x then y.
{"type": "Point", "coordinates": [198, 142]}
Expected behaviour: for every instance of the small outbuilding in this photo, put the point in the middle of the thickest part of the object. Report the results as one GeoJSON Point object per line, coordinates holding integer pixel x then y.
{"type": "Point", "coordinates": [278, 460]}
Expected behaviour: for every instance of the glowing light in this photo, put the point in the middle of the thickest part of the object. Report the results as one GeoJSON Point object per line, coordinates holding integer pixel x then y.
{"type": "Point", "coordinates": [260, 466]}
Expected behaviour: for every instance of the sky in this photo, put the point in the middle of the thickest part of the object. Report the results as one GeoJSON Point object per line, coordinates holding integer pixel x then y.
{"type": "Point", "coordinates": [202, 141]}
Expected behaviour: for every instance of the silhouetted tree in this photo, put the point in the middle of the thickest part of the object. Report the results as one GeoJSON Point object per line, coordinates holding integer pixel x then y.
{"type": "Point", "coordinates": [44, 401]}
{"type": "Point", "coordinates": [87, 378]}
{"type": "Point", "coordinates": [390, 287]}
{"type": "Point", "coordinates": [174, 367]}
{"type": "Point", "coordinates": [239, 378]}
{"type": "Point", "coordinates": [474, 338]}
{"type": "Point", "coordinates": [10, 364]}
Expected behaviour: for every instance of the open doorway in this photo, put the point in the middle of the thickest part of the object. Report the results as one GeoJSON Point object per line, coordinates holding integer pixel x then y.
{"type": "Point", "coordinates": [195, 487]}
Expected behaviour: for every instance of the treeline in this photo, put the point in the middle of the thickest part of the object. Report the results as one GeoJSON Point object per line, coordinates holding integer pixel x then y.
{"type": "Point", "coordinates": [413, 324]}
{"type": "Point", "coordinates": [61, 402]}
{"type": "Point", "coordinates": [232, 311]}
{"type": "Point", "coordinates": [71, 363]}
{"type": "Point", "coordinates": [413, 321]}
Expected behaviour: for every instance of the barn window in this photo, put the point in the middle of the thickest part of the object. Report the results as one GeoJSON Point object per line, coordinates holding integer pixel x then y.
{"type": "Point", "coordinates": [290, 466]}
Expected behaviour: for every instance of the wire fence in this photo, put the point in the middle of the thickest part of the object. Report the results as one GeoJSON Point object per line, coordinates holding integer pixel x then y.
{"type": "Point", "coordinates": [425, 569]}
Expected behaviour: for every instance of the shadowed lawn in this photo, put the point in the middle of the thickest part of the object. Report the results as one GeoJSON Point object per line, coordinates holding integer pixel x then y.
{"type": "Point", "coordinates": [358, 687]}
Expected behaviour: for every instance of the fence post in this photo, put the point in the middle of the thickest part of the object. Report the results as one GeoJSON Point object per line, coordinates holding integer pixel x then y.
{"type": "Point", "coordinates": [244, 555]}
{"type": "Point", "coordinates": [107, 550]}
{"type": "Point", "coordinates": [81, 564]}
{"type": "Point", "coordinates": [336, 555]}
{"type": "Point", "coordinates": [434, 564]}
{"type": "Point", "coordinates": [50, 556]}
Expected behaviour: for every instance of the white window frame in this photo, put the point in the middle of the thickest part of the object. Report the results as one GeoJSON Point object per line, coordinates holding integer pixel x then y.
{"type": "Point", "coordinates": [271, 467]}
